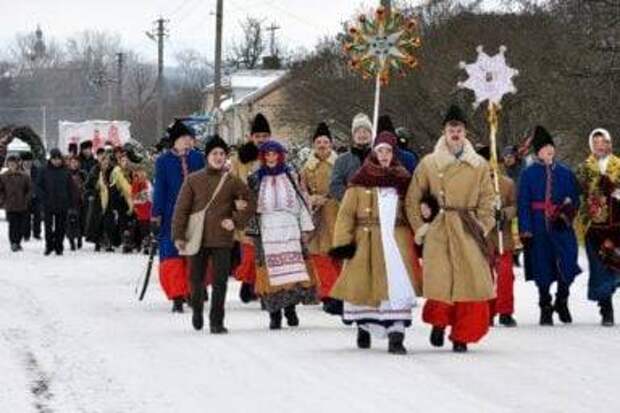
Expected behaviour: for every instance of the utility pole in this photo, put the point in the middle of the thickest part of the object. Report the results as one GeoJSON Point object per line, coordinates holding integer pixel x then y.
{"type": "Point", "coordinates": [159, 35]}
{"type": "Point", "coordinates": [219, 20]}
{"type": "Point", "coordinates": [120, 57]}
{"type": "Point", "coordinates": [272, 43]}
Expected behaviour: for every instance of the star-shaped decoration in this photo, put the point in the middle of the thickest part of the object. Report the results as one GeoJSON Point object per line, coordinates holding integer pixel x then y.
{"type": "Point", "coordinates": [489, 77]}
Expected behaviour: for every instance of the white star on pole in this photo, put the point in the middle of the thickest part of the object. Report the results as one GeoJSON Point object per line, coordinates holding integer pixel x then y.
{"type": "Point", "coordinates": [490, 78]}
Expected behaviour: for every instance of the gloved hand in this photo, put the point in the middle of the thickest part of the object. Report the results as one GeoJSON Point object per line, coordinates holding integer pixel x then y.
{"type": "Point", "coordinates": [526, 239]}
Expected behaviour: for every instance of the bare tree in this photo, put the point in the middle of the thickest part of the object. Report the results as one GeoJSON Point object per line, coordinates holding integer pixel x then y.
{"type": "Point", "coordinates": [249, 50]}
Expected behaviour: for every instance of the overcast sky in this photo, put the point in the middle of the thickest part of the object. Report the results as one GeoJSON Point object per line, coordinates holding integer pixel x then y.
{"type": "Point", "coordinates": [192, 23]}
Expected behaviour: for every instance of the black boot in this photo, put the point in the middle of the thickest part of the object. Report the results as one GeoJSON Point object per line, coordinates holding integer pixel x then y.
{"type": "Point", "coordinates": [14, 247]}
{"type": "Point", "coordinates": [546, 315]}
{"type": "Point", "coordinates": [561, 307]}
{"type": "Point", "coordinates": [177, 305]}
{"type": "Point", "coordinates": [48, 251]}
{"type": "Point", "coordinates": [275, 320]}
{"type": "Point", "coordinates": [515, 260]}
{"type": "Point", "coordinates": [79, 243]}
{"type": "Point", "coordinates": [218, 329]}
{"type": "Point", "coordinates": [395, 343]}
{"type": "Point", "coordinates": [291, 316]}
{"type": "Point", "coordinates": [607, 312]}
{"type": "Point", "coordinates": [197, 317]}
{"type": "Point", "coordinates": [507, 320]}
{"type": "Point", "coordinates": [97, 247]}
{"type": "Point", "coordinates": [437, 337]}
{"type": "Point", "coordinates": [363, 338]}
{"type": "Point", "coordinates": [246, 293]}
{"type": "Point", "coordinates": [72, 244]}
{"type": "Point", "coordinates": [459, 347]}
{"type": "Point", "coordinates": [332, 306]}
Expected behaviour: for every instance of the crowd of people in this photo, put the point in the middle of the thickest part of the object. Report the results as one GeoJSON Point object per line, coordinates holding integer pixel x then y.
{"type": "Point", "coordinates": [364, 232]}
{"type": "Point", "coordinates": [103, 197]}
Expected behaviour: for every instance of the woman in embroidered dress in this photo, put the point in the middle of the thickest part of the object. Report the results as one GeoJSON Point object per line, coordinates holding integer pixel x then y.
{"type": "Point", "coordinates": [283, 276]}
{"type": "Point", "coordinates": [376, 242]}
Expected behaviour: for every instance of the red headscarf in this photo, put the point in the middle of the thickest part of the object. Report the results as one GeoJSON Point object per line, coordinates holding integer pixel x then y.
{"type": "Point", "coordinates": [372, 174]}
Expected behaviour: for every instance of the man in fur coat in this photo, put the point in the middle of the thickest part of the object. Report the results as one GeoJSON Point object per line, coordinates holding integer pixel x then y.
{"type": "Point", "coordinates": [242, 165]}
{"type": "Point", "coordinates": [457, 281]}
{"type": "Point", "coordinates": [316, 176]}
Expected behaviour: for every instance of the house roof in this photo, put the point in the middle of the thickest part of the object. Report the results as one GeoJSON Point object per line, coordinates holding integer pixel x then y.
{"type": "Point", "coordinates": [247, 86]}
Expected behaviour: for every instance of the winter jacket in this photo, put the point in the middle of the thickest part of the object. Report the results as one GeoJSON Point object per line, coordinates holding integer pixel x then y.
{"type": "Point", "coordinates": [169, 177]}
{"type": "Point", "coordinates": [87, 164]}
{"type": "Point", "coordinates": [142, 195]}
{"type": "Point", "coordinates": [115, 192]}
{"type": "Point", "coordinates": [363, 279]}
{"type": "Point", "coordinates": [316, 177]}
{"type": "Point", "coordinates": [55, 188]}
{"type": "Point", "coordinates": [196, 192]}
{"type": "Point", "coordinates": [346, 165]}
{"type": "Point", "coordinates": [407, 159]}
{"type": "Point", "coordinates": [79, 182]}
{"type": "Point", "coordinates": [552, 253]}
{"type": "Point", "coordinates": [456, 269]}
{"type": "Point", "coordinates": [15, 191]}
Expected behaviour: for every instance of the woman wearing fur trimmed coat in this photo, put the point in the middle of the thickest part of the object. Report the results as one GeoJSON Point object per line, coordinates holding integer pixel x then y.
{"type": "Point", "coordinates": [283, 277]}
{"type": "Point", "coordinates": [373, 237]}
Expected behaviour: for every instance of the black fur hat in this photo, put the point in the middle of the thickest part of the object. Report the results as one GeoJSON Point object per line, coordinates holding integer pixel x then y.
{"type": "Point", "coordinates": [215, 142]}
{"type": "Point", "coordinates": [260, 124]}
{"type": "Point", "coordinates": [248, 152]}
{"type": "Point", "coordinates": [322, 130]}
{"type": "Point", "coordinates": [86, 145]}
{"type": "Point", "coordinates": [455, 114]}
{"type": "Point", "coordinates": [385, 124]}
{"type": "Point", "coordinates": [178, 129]}
{"type": "Point", "coordinates": [541, 139]}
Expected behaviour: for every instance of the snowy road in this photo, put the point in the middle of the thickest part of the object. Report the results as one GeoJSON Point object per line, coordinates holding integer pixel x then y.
{"type": "Point", "coordinates": [73, 339]}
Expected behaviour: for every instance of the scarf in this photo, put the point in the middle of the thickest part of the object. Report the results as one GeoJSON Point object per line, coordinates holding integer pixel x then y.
{"type": "Point", "coordinates": [372, 174]}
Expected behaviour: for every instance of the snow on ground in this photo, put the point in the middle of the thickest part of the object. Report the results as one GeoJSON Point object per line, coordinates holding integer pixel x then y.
{"type": "Point", "coordinates": [74, 339]}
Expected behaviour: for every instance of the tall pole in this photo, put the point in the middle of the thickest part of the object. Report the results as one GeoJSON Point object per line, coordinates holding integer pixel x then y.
{"type": "Point", "coordinates": [120, 57]}
{"type": "Point", "coordinates": [219, 17]}
{"type": "Point", "coordinates": [272, 44]}
{"type": "Point", "coordinates": [161, 32]}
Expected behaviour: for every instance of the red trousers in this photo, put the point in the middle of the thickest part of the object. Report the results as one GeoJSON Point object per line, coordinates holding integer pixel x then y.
{"type": "Point", "coordinates": [327, 271]}
{"type": "Point", "coordinates": [246, 271]}
{"type": "Point", "coordinates": [504, 280]}
{"type": "Point", "coordinates": [173, 277]}
{"type": "Point", "coordinates": [469, 321]}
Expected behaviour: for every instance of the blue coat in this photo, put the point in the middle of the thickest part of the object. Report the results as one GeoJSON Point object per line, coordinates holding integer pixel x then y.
{"type": "Point", "coordinates": [408, 159]}
{"type": "Point", "coordinates": [552, 254]}
{"type": "Point", "coordinates": [168, 180]}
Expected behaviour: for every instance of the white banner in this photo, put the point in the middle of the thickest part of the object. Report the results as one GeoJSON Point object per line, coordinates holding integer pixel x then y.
{"type": "Point", "coordinates": [99, 132]}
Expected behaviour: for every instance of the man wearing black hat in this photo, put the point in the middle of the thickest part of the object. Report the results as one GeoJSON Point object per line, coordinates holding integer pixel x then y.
{"type": "Point", "coordinates": [220, 193]}
{"type": "Point", "coordinates": [548, 199]}
{"type": "Point", "coordinates": [457, 282]}
{"type": "Point", "coordinates": [87, 160]}
{"type": "Point", "coordinates": [171, 169]}
{"type": "Point", "coordinates": [56, 190]}
{"type": "Point", "coordinates": [316, 176]}
{"type": "Point", "coordinates": [242, 165]}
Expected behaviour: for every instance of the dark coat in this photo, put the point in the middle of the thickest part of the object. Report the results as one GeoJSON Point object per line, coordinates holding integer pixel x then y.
{"type": "Point", "coordinates": [15, 191]}
{"type": "Point", "coordinates": [87, 164]}
{"type": "Point", "coordinates": [346, 165]}
{"type": "Point", "coordinates": [408, 159]}
{"type": "Point", "coordinates": [55, 188]}
{"type": "Point", "coordinates": [196, 192]}
{"type": "Point", "coordinates": [552, 253]}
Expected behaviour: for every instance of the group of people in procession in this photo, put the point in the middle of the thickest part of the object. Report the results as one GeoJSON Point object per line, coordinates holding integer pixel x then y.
{"type": "Point", "coordinates": [365, 232]}
{"type": "Point", "coordinates": [103, 197]}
